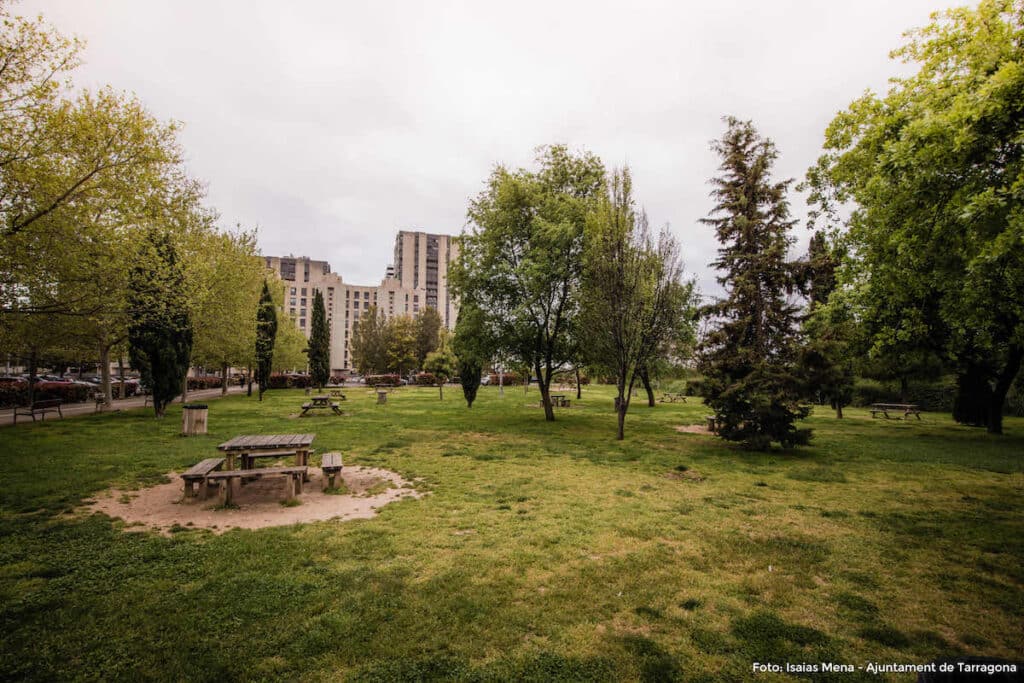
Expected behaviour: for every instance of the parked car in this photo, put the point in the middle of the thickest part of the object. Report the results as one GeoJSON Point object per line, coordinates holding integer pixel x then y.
{"type": "Point", "coordinates": [485, 380]}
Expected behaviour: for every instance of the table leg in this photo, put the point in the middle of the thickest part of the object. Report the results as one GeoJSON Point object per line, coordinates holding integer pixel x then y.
{"type": "Point", "coordinates": [302, 460]}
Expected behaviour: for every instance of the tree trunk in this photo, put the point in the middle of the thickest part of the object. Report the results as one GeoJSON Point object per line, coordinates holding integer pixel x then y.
{"type": "Point", "coordinates": [120, 368]}
{"type": "Point", "coordinates": [184, 387]}
{"type": "Point", "coordinates": [839, 410]}
{"type": "Point", "coordinates": [32, 361]}
{"type": "Point", "coordinates": [973, 397]}
{"type": "Point", "coordinates": [904, 389]}
{"type": "Point", "coordinates": [248, 377]}
{"type": "Point", "coordinates": [579, 387]}
{"type": "Point", "coordinates": [224, 379]}
{"type": "Point", "coordinates": [646, 379]}
{"type": "Point", "coordinates": [105, 374]}
{"type": "Point", "coordinates": [545, 393]}
{"type": "Point", "coordinates": [1002, 387]}
{"type": "Point", "coordinates": [440, 389]}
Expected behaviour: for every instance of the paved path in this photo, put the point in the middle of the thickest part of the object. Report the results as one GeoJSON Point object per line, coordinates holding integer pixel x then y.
{"type": "Point", "coordinates": [89, 407]}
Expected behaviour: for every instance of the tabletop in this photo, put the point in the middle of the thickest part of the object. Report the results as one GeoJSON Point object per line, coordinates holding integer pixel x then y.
{"type": "Point", "coordinates": [265, 441]}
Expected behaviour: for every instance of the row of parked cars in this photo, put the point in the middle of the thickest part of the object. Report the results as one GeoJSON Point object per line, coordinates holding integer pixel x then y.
{"type": "Point", "coordinates": [92, 381]}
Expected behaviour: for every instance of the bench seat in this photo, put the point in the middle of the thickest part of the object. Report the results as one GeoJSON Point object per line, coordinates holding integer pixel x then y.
{"type": "Point", "coordinates": [199, 473]}
{"type": "Point", "coordinates": [41, 408]}
{"type": "Point", "coordinates": [293, 477]}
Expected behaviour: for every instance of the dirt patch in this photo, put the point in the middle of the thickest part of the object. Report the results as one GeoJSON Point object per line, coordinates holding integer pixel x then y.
{"type": "Point", "coordinates": [692, 429]}
{"type": "Point", "coordinates": [688, 475]}
{"type": "Point", "coordinates": [161, 507]}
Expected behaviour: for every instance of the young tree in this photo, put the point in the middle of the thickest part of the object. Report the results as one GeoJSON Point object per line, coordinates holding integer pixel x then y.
{"type": "Point", "coordinates": [522, 258]}
{"type": "Point", "coordinates": [633, 297]}
{"type": "Point", "coordinates": [368, 344]}
{"type": "Point", "coordinates": [400, 338]}
{"type": "Point", "coordinates": [930, 176]}
{"type": "Point", "coordinates": [319, 343]}
{"type": "Point", "coordinates": [428, 328]}
{"type": "Point", "coordinates": [160, 335]}
{"type": "Point", "coordinates": [470, 346]}
{"type": "Point", "coordinates": [749, 360]}
{"type": "Point", "coordinates": [442, 364]}
{"type": "Point", "coordinates": [266, 331]}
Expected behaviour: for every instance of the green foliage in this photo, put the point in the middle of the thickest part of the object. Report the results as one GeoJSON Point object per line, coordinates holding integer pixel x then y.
{"type": "Point", "coordinates": [368, 344]}
{"type": "Point", "coordinates": [400, 336]}
{"type": "Point", "coordinates": [428, 331]}
{"type": "Point", "coordinates": [931, 176]}
{"type": "Point", "coordinates": [160, 335]}
{"type": "Point", "coordinates": [749, 359]}
{"type": "Point", "coordinates": [266, 332]}
{"type": "Point", "coordinates": [521, 261]}
{"type": "Point", "coordinates": [471, 347]}
{"type": "Point", "coordinates": [442, 363]}
{"type": "Point", "coordinates": [633, 300]}
{"type": "Point", "coordinates": [319, 343]}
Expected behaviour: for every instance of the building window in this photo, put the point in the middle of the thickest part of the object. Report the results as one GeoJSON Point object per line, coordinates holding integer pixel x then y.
{"type": "Point", "coordinates": [303, 302]}
{"type": "Point", "coordinates": [303, 312]}
{"type": "Point", "coordinates": [291, 301]}
{"type": "Point", "coordinates": [302, 322]}
{"type": "Point", "coordinates": [366, 295]}
{"type": "Point", "coordinates": [366, 305]}
{"type": "Point", "coordinates": [292, 310]}
{"type": "Point", "coordinates": [287, 269]}
{"type": "Point", "coordinates": [292, 292]}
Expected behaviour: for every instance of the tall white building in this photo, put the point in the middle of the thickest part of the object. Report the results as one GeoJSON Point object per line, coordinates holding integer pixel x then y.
{"type": "Point", "coordinates": [419, 278]}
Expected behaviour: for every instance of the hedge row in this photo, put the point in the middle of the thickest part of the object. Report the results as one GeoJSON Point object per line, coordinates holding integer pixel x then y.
{"type": "Point", "coordinates": [510, 379]}
{"type": "Point", "coordinates": [12, 394]}
{"type": "Point", "coordinates": [279, 381]}
{"type": "Point", "coordinates": [383, 380]}
{"type": "Point", "coordinates": [205, 382]}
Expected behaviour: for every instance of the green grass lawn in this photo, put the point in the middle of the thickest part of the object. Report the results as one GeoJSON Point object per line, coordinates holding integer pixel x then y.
{"type": "Point", "coordinates": [542, 552]}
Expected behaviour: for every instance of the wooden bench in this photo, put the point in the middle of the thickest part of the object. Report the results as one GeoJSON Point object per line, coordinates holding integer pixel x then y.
{"type": "Point", "coordinates": [330, 464]}
{"type": "Point", "coordinates": [337, 393]}
{"type": "Point", "coordinates": [907, 409]}
{"type": "Point", "coordinates": [41, 408]}
{"type": "Point", "coordinates": [306, 407]}
{"type": "Point", "coordinates": [198, 473]}
{"type": "Point", "coordinates": [293, 477]}
{"type": "Point", "coordinates": [249, 459]}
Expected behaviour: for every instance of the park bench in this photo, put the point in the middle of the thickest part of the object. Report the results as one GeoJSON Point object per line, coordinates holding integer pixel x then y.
{"type": "Point", "coordinates": [41, 408]}
{"type": "Point", "coordinates": [672, 398]}
{"type": "Point", "coordinates": [249, 459]}
{"type": "Point", "coordinates": [338, 394]}
{"type": "Point", "coordinates": [316, 405]}
{"type": "Point", "coordinates": [907, 409]}
{"type": "Point", "coordinates": [198, 473]}
{"type": "Point", "coordinates": [293, 477]}
{"type": "Point", "coordinates": [330, 464]}
{"type": "Point", "coordinates": [712, 421]}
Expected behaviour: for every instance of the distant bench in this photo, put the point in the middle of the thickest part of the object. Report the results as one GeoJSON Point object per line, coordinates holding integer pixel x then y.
{"type": "Point", "coordinates": [41, 408]}
{"type": "Point", "coordinates": [907, 409]}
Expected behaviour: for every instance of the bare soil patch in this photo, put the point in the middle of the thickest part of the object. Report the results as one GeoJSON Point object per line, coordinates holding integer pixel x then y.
{"type": "Point", "coordinates": [692, 429]}
{"type": "Point", "coordinates": [162, 507]}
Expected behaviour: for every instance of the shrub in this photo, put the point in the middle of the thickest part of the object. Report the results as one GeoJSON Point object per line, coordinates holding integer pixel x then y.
{"type": "Point", "coordinates": [278, 381]}
{"type": "Point", "coordinates": [300, 381]}
{"type": "Point", "coordinates": [337, 379]}
{"type": "Point", "coordinates": [425, 379]}
{"type": "Point", "coordinates": [204, 382]}
{"type": "Point", "coordinates": [65, 391]}
{"type": "Point", "coordinates": [383, 380]}
{"type": "Point", "coordinates": [13, 394]}
{"type": "Point", "coordinates": [511, 379]}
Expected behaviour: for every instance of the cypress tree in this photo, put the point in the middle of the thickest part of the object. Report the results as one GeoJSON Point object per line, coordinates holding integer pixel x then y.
{"type": "Point", "coordinates": [749, 359]}
{"type": "Point", "coordinates": [319, 343]}
{"type": "Point", "coordinates": [160, 334]}
{"type": "Point", "coordinates": [266, 332]}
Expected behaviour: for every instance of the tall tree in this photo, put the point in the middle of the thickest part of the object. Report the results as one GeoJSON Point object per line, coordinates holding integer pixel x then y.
{"type": "Point", "coordinates": [633, 296]}
{"type": "Point", "coordinates": [160, 335]}
{"type": "Point", "coordinates": [319, 343]}
{"type": "Point", "coordinates": [266, 332]}
{"type": "Point", "coordinates": [400, 340]}
{"type": "Point", "coordinates": [930, 177]}
{"type": "Point", "coordinates": [428, 329]}
{"type": "Point", "coordinates": [521, 260]}
{"type": "Point", "coordinates": [368, 344]}
{"type": "Point", "coordinates": [749, 359]}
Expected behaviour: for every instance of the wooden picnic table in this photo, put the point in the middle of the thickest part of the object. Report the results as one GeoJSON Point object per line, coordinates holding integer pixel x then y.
{"type": "Point", "coordinates": [265, 445]}
{"type": "Point", "coordinates": [559, 400]}
{"type": "Point", "coordinates": [320, 402]}
{"type": "Point", "coordinates": [907, 409]}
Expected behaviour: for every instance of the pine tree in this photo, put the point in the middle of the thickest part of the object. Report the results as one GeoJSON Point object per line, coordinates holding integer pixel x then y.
{"type": "Point", "coordinates": [749, 359]}
{"type": "Point", "coordinates": [319, 343]}
{"type": "Point", "coordinates": [266, 332]}
{"type": "Point", "coordinates": [160, 334]}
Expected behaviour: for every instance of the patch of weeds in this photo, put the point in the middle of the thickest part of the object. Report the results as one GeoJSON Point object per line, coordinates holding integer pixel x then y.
{"type": "Point", "coordinates": [974, 640]}
{"type": "Point", "coordinates": [378, 488]}
{"type": "Point", "coordinates": [760, 483]}
{"type": "Point", "coordinates": [711, 642]}
{"type": "Point", "coordinates": [861, 579]}
{"type": "Point", "coordinates": [681, 468]}
{"type": "Point", "coordinates": [885, 635]}
{"type": "Point", "coordinates": [690, 604]}
{"type": "Point", "coordinates": [125, 499]}
{"type": "Point", "coordinates": [648, 612]}
{"type": "Point", "coordinates": [486, 457]}
{"type": "Point", "coordinates": [654, 662]}
{"type": "Point", "coordinates": [819, 474]}
{"type": "Point", "coordinates": [291, 503]}
{"type": "Point", "coordinates": [504, 506]}
{"type": "Point", "coordinates": [834, 514]}
{"type": "Point", "coordinates": [624, 493]}
{"type": "Point", "coordinates": [177, 528]}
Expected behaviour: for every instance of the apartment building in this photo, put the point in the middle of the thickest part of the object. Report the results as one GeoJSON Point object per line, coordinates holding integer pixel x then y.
{"type": "Point", "coordinates": [421, 264]}
{"type": "Point", "coordinates": [417, 279]}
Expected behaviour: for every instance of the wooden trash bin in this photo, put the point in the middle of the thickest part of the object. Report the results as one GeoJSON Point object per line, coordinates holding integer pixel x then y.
{"type": "Point", "coordinates": [193, 419]}
{"type": "Point", "coordinates": [382, 397]}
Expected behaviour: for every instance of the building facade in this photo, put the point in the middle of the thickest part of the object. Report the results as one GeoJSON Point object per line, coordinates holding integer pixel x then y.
{"type": "Point", "coordinates": [425, 259]}
{"type": "Point", "coordinates": [421, 264]}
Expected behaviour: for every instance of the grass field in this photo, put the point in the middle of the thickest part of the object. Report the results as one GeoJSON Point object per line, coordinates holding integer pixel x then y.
{"type": "Point", "coordinates": [542, 552]}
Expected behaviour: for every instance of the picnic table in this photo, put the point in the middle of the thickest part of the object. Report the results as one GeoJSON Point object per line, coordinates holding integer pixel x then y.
{"type": "Point", "coordinates": [320, 402]}
{"type": "Point", "coordinates": [338, 394]}
{"type": "Point", "coordinates": [907, 409]}
{"type": "Point", "coordinates": [250, 448]}
{"type": "Point", "coordinates": [559, 400]}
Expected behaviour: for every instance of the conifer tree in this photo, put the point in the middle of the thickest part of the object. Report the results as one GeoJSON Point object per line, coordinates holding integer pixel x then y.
{"type": "Point", "coordinates": [749, 359]}
{"type": "Point", "coordinates": [266, 332]}
{"type": "Point", "coordinates": [319, 343]}
{"type": "Point", "coordinates": [160, 334]}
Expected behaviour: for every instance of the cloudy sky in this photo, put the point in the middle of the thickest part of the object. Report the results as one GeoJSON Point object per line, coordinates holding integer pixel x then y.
{"type": "Point", "coordinates": [331, 125]}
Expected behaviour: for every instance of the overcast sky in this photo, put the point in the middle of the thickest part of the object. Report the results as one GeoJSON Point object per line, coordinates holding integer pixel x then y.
{"type": "Point", "coordinates": [331, 125]}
